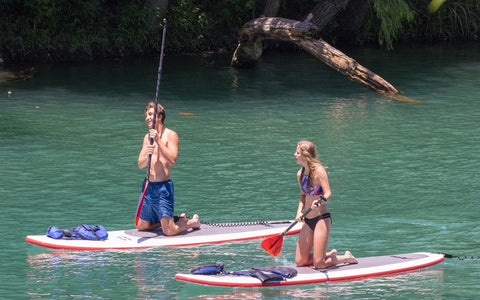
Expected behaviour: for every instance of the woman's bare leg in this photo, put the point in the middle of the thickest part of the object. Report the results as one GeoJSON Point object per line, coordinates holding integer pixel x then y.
{"type": "Point", "coordinates": [304, 247]}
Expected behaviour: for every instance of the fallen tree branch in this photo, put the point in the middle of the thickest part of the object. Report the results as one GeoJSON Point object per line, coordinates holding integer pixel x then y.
{"type": "Point", "coordinates": [253, 33]}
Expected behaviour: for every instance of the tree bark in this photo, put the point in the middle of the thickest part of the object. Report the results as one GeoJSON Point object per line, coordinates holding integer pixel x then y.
{"type": "Point", "coordinates": [271, 8]}
{"type": "Point", "coordinates": [161, 4]}
{"type": "Point", "coordinates": [252, 34]}
{"type": "Point", "coordinates": [325, 11]}
{"type": "Point", "coordinates": [351, 20]}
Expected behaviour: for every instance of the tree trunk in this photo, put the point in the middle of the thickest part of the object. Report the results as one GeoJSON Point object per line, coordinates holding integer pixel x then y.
{"type": "Point", "coordinates": [252, 34]}
{"type": "Point", "coordinates": [271, 8]}
{"type": "Point", "coordinates": [161, 4]}
{"type": "Point", "coordinates": [325, 11]}
{"type": "Point", "coordinates": [351, 20]}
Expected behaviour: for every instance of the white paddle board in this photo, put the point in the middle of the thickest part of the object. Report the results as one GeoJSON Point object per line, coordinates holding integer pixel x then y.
{"type": "Point", "coordinates": [366, 267]}
{"type": "Point", "coordinates": [207, 234]}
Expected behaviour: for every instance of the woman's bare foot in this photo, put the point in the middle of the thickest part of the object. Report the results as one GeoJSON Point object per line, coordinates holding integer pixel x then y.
{"type": "Point", "coordinates": [349, 258]}
{"type": "Point", "coordinates": [194, 222]}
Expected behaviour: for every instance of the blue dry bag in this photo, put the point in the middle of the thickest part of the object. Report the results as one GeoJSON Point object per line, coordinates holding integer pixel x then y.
{"type": "Point", "coordinates": [209, 269]}
{"type": "Point", "coordinates": [91, 232]}
{"type": "Point", "coordinates": [81, 232]}
{"type": "Point", "coordinates": [54, 232]}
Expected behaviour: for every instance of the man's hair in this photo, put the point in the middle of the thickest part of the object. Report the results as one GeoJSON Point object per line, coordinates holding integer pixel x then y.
{"type": "Point", "coordinates": [160, 111]}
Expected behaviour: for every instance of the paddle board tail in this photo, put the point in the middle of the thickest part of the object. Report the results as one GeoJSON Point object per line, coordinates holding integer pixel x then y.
{"type": "Point", "coordinates": [366, 267]}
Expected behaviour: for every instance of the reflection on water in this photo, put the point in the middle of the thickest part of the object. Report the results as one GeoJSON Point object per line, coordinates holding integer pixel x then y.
{"type": "Point", "coordinates": [75, 274]}
{"type": "Point", "coordinates": [421, 284]}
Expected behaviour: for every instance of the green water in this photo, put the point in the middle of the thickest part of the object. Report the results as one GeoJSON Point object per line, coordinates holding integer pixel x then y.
{"type": "Point", "coordinates": [404, 176]}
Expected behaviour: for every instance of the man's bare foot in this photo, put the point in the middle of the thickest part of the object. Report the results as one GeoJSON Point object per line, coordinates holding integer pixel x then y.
{"type": "Point", "coordinates": [194, 222]}
{"type": "Point", "coordinates": [350, 259]}
{"type": "Point", "coordinates": [180, 218]}
{"type": "Point", "coordinates": [333, 252]}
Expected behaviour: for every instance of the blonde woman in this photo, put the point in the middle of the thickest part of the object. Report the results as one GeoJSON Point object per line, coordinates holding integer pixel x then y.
{"type": "Point", "coordinates": [315, 190]}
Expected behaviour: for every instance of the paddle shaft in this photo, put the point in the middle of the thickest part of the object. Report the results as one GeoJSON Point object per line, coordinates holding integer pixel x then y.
{"type": "Point", "coordinates": [159, 75]}
{"type": "Point", "coordinates": [304, 214]}
{"type": "Point", "coordinates": [273, 245]}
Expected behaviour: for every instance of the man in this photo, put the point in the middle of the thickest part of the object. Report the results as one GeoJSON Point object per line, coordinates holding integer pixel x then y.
{"type": "Point", "coordinates": [157, 210]}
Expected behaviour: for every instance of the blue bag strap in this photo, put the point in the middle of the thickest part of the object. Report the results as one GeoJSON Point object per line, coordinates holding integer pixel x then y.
{"type": "Point", "coordinates": [209, 269]}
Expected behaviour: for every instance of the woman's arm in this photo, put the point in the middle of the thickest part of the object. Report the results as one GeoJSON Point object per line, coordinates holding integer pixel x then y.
{"type": "Point", "coordinates": [323, 180]}
{"type": "Point", "coordinates": [301, 202]}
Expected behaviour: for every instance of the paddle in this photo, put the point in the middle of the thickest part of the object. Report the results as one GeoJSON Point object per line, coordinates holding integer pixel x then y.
{"type": "Point", "coordinates": [273, 244]}
{"type": "Point", "coordinates": [147, 177]}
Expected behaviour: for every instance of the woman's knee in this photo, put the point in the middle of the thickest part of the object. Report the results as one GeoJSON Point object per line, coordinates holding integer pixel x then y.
{"type": "Point", "coordinates": [322, 262]}
{"type": "Point", "coordinates": [301, 260]}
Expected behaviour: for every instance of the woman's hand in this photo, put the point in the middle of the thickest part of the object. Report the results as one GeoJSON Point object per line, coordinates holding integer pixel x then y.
{"type": "Point", "coordinates": [299, 217]}
{"type": "Point", "coordinates": [319, 202]}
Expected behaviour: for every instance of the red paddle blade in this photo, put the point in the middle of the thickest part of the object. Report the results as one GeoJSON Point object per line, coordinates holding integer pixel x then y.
{"type": "Point", "coordinates": [139, 210]}
{"type": "Point", "coordinates": [140, 205]}
{"type": "Point", "coordinates": [273, 245]}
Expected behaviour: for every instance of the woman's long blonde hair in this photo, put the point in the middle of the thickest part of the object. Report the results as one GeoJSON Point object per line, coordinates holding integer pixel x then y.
{"type": "Point", "coordinates": [309, 151]}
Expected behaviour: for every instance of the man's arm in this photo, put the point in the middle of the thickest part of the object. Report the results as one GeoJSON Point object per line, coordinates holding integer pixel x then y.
{"type": "Point", "coordinates": [143, 156]}
{"type": "Point", "coordinates": [169, 148]}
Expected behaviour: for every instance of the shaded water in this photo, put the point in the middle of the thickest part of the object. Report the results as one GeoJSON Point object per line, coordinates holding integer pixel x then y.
{"type": "Point", "coordinates": [404, 176]}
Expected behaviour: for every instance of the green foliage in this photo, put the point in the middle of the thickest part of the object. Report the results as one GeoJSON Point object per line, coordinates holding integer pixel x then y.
{"type": "Point", "coordinates": [454, 20]}
{"type": "Point", "coordinates": [187, 26]}
{"type": "Point", "coordinates": [392, 15]}
{"type": "Point", "coordinates": [208, 25]}
{"type": "Point", "coordinates": [79, 30]}
{"type": "Point", "coordinates": [75, 30]}
{"type": "Point", "coordinates": [58, 30]}
{"type": "Point", "coordinates": [396, 21]}
{"type": "Point", "coordinates": [134, 32]}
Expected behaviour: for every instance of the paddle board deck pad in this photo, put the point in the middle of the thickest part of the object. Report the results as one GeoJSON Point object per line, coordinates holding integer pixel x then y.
{"type": "Point", "coordinates": [366, 267]}
{"type": "Point", "coordinates": [214, 233]}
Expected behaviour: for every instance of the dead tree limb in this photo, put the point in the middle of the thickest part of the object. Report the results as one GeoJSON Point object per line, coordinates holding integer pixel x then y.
{"type": "Point", "coordinates": [252, 34]}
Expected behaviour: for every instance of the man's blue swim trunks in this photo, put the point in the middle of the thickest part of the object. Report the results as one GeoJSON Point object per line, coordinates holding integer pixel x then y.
{"type": "Point", "coordinates": [158, 202]}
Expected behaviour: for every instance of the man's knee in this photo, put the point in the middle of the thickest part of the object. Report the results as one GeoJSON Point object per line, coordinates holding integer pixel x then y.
{"type": "Point", "coordinates": [144, 225]}
{"type": "Point", "coordinates": [168, 226]}
{"type": "Point", "coordinates": [142, 228]}
{"type": "Point", "coordinates": [169, 231]}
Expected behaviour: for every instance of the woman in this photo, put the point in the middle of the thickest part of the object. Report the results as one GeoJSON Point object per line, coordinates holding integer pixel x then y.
{"type": "Point", "coordinates": [315, 191]}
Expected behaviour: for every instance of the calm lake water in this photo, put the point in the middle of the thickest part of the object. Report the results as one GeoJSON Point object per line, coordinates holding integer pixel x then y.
{"type": "Point", "coordinates": [405, 177]}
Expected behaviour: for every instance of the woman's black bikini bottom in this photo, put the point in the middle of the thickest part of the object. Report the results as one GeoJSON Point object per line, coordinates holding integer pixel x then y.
{"type": "Point", "coordinates": [313, 221]}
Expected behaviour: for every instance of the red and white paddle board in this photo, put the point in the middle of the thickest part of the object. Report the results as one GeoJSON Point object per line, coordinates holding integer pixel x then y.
{"type": "Point", "coordinates": [207, 234]}
{"type": "Point", "coordinates": [366, 267]}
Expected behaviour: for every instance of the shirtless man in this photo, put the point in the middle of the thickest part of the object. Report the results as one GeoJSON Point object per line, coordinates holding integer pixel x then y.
{"type": "Point", "coordinates": [157, 210]}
